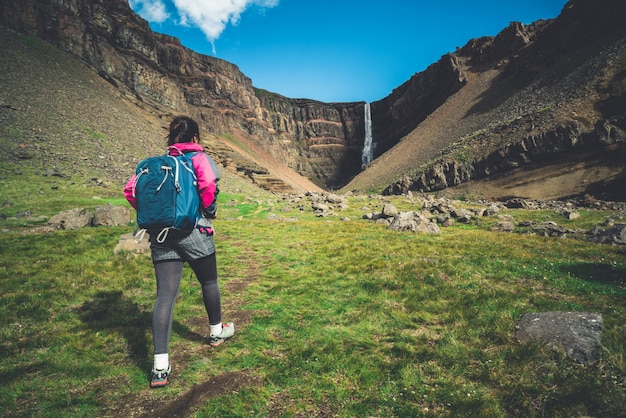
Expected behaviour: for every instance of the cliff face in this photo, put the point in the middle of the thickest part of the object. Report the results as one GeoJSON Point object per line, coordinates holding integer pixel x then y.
{"type": "Point", "coordinates": [407, 106]}
{"type": "Point", "coordinates": [317, 139]}
{"type": "Point", "coordinates": [559, 96]}
{"type": "Point", "coordinates": [399, 113]}
{"type": "Point", "coordinates": [530, 95]}
{"type": "Point", "coordinates": [320, 140]}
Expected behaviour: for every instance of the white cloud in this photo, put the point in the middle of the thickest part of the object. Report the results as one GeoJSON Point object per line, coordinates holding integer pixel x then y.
{"type": "Point", "coordinates": [151, 10]}
{"type": "Point", "coordinates": [212, 16]}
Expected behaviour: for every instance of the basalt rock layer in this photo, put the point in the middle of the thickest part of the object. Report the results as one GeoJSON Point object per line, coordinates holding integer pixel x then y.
{"type": "Point", "coordinates": [319, 140]}
{"type": "Point", "coordinates": [537, 111]}
{"type": "Point", "coordinates": [499, 110]}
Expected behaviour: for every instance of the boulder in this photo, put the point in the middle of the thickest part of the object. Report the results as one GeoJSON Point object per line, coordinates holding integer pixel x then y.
{"type": "Point", "coordinates": [570, 214]}
{"type": "Point", "coordinates": [616, 234]}
{"type": "Point", "coordinates": [110, 215]}
{"type": "Point", "coordinates": [577, 334]}
{"type": "Point", "coordinates": [491, 211]}
{"type": "Point", "coordinates": [76, 218]}
{"type": "Point", "coordinates": [503, 226]}
{"type": "Point", "coordinates": [389, 210]}
{"type": "Point", "coordinates": [335, 199]}
{"type": "Point", "coordinates": [413, 222]}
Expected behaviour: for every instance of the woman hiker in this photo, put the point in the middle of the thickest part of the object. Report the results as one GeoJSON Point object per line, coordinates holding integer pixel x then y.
{"type": "Point", "coordinates": [196, 248]}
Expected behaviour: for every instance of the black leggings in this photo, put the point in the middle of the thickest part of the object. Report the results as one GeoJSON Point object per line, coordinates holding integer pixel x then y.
{"type": "Point", "coordinates": [168, 277]}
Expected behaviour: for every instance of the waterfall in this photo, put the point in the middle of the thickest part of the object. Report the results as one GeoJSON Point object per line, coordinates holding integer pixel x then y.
{"type": "Point", "coordinates": [368, 148]}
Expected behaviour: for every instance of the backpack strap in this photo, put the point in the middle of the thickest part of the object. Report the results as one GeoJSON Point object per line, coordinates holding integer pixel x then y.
{"type": "Point", "coordinates": [176, 182]}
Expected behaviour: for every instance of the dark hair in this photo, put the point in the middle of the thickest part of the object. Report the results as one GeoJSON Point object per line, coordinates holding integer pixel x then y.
{"type": "Point", "coordinates": [182, 129]}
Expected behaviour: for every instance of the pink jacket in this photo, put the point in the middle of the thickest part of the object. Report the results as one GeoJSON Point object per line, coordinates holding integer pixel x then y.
{"type": "Point", "coordinates": [205, 169]}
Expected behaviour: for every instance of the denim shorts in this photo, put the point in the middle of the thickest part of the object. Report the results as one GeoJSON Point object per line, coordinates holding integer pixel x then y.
{"type": "Point", "coordinates": [193, 246]}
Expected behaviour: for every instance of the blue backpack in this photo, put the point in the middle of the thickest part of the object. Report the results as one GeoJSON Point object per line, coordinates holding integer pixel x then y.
{"type": "Point", "coordinates": [167, 195]}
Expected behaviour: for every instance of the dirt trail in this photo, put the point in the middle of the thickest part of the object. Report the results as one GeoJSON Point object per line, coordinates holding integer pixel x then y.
{"type": "Point", "coordinates": [151, 403]}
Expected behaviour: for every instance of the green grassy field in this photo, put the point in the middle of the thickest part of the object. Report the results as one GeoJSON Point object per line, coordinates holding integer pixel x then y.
{"type": "Point", "coordinates": [335, 318]}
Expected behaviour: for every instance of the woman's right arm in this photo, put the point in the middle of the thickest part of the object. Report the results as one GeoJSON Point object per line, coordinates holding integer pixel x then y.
{"type": "Point", "coordinates": [128, 192]}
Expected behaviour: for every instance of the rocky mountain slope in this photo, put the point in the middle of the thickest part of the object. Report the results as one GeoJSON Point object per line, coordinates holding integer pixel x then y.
{"type": "Point", "coordinates": [60, 120]}
{"type": "Point", "coordinates": [540, 112]}
{"type": "Point", "coordinates": [537, 111]}
{"type": "Point", "coordinates": [167, 78]}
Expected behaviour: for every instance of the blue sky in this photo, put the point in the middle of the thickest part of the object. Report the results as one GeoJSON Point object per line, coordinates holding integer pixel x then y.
{"type": "Point", "coordinates": [335, 50]}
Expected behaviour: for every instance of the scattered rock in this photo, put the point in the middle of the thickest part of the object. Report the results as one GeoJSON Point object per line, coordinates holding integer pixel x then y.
{"type": "Point", "coordinates": [110, 215]}
{"type": "Point", "coordinates": [519, 203]}
{"type": "Point", "coordinates": [71, 219]}
{"type": "Point", "coordinates": [413, 222]}
{"type": "Point", "coordinates": [577, 334]}
{"type": "Point", "coordinates": [448, 222]}
{"type": "Point", "coordinates": [320, 207]}
{"type": "Point", "coordinates": [461, 214]}
{"type": "Point", "coordinates": [570, 214]}
{"type": "Point", "coordinates": [77, 218]}
{"type": "Point", "coordinates": [23, 214]}
{"type": "Point", "coordinates": [389, 210]}
{"type": "Point", "coordinates": [492, 210]}
{"type": "Point", "coordinates": [323, 204]}
{"type": "Point", "coordinates": [335, 199]}
{"type": "Point", "coordinates": [503, 226]}
{"type": "Point", "coordinates": [614, 235]}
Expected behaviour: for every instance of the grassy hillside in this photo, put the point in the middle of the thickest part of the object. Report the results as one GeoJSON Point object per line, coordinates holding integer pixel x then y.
{"type": "Point", "coordinates": [336, 316]}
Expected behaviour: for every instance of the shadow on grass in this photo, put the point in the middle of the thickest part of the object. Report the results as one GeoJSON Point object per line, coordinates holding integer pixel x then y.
{"type": "Point", "coordinates": [113, 311]}
{"type": "Point", "coordinates": [15, 373]}
{"type": "Point", "coordinates": [597, 273]}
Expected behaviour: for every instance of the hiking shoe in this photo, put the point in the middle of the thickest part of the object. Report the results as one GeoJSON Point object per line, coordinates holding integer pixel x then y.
{"type": "Point", "coordinates": [228, 330]}
{"type": "Point", "coordinates": [158, 378]}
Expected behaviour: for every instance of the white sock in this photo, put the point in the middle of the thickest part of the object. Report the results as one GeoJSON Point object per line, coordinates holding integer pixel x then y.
{"type": "Point", "coordinates": [161, 361]}
{"type": "Point", "coordinates": [216, 329]}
